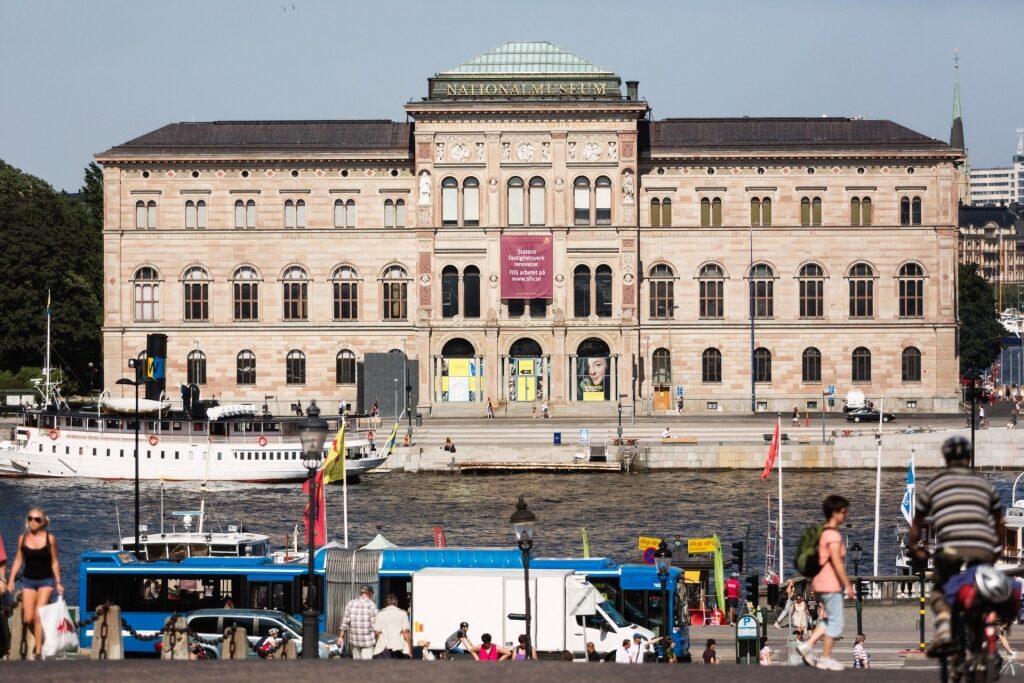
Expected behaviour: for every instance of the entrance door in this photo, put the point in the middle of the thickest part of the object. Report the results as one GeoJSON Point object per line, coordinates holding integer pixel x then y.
{"type": "Point", "coordinates": [523, 379]}
{"type": "Point", "coordinates": [662, 398]}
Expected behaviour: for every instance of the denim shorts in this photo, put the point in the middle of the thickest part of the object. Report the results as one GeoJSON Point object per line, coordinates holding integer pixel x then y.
{"type": "Point", "coordinates": [833, 603]}
{"type": "Point", "coordinates": [36, 584]}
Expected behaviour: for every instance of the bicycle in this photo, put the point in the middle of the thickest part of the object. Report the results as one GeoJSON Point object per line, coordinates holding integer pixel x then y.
{"type": "Point", "coordinates": [980, 597]}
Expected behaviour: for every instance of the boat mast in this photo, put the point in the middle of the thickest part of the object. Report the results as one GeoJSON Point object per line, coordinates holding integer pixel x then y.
{"type": "Point", "coordinates": [47, 386]}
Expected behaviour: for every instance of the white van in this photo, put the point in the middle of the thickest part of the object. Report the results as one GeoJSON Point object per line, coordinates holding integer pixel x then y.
{"type": "Point", "coordinates": [854, 399]}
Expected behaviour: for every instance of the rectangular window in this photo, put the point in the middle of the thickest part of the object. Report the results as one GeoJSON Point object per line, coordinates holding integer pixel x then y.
{"type": "Point", "coordinates": [811, 367]}
{"type": "Point", "coordinates": [394, 300]}
{"type": "Point", "coordinates": [861, 298]}
{"type": "Point", "coordinates": [812, 298]}
{"type": "Point", "coordinates": [537, 205]}
{"type": "Point", "coordinates": [603, 204]}
{"type": "Point", "coordinates": [516, 308]}
{"type": "Point", "coordinates": [196, 301]}
{"type": "Point", "coordinates": [911, 298]}
{"type": "Point", "coordinates": [449, 206]}
{"type": "Point", "coordinates": [538, 308]}
{"type": "Point", "coordinates": [471, 205]}
{"type": "Point", "coordinates": [515, 205]}
{"type": "Point", "coordinates": [581, 202]}
{"type": "Point", "coordinates": [346, 301]}
{"type": "Point", "coordinates": [661, 298]}
{"type": "Point", "coordinates": [712, 298]}
{"type": "Point", "coordinates": [246, 301]}
{"type": "Point", "coordinates": [295, 300]}
{"type": "Point", "coordinates": [762, 299]}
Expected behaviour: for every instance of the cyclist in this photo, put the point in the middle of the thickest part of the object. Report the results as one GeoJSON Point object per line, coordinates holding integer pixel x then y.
{"type": "Point", "coordinates": [967, 520]}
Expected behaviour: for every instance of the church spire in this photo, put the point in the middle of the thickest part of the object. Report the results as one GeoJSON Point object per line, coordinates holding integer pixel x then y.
{"type": "Point", "coordinates": [956, 133]}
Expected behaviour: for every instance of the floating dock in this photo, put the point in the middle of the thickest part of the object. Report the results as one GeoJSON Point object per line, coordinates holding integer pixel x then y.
{"type": "Point", "coordinates": [501, 467]}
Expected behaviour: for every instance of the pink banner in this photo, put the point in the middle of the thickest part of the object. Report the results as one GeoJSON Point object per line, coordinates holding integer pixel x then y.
{"type": "Point", "coordinates": [526, 267]}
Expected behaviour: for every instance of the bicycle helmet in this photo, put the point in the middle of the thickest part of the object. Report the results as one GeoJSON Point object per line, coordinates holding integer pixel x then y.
{"type": "Point", "coordinates": [956, 448]}
{"type": "Point", "coordinates": [992, 585]}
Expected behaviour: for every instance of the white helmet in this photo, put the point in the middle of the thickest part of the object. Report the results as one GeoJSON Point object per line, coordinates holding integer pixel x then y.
{"type": "Point", "coordinates": [992, 585]}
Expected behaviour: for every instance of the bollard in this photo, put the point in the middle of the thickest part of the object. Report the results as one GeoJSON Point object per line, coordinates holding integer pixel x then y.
{"type": "Point", "coordinates": [287, 650]}
{"type": "Point", "coordinates": [236, 644]}
{"type": "Point", "coordinates": [107, 640]}
{"type": "Point", "coordinates": [23, 642]}
{"type": "Point", "coordinates": [175, 640]}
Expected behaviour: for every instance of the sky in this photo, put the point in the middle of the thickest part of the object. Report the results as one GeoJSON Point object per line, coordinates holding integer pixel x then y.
{"type": "Point", "coordinates": [80, 76]}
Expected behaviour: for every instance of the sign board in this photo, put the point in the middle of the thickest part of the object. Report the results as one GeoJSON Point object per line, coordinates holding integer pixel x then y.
{"type": "Point", "coordinates": [584, 437]}
{"type": "Point", "coordinates": [649, 542]}
{"type": "Point", "coordinates": [831, 390]}
{"type": "Point", "coordinates": [696, 546]}
{"type": "Point", "coordinates": [746, 628]}
{"type": "Point", "coordinates": [679, 391]}
{"type": "Point", "coordinates": [526, 264]}
{"type": "Point", "coordinates": [516, 616]}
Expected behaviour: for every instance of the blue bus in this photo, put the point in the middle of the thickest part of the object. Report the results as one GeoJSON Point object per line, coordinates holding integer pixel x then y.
{"type": "Point", "coordinates": [149, 592]}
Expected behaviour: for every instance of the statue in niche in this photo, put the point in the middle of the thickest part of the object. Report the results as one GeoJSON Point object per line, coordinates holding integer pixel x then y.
{"type": "Point", "coordinates": [424, 188]}
{"type": "Point", "coordinates": [627, 188]}
{"type": "Point", "coordinates": [613, 151]}
{"type": "Point", "coordinates": [545, 151]}
{"type": "Point", "coordinates": [440, 153]}
{"type": "Point", "coordinates": [506, 151]}
{"type": "Point", "coordinates": [572, 151]}
{"type": "Point", "coordinates": [479, 151]}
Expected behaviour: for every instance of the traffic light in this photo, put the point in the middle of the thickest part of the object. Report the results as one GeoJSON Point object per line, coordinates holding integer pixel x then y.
{"type": "Point", "coordinates": [862, 589]}
{"type": "Point", "coordinates": [753, 582]}
{"type": "Point", "coordinates": [737, 556]}
{"type": "Point", "coordinates": [773, 594]}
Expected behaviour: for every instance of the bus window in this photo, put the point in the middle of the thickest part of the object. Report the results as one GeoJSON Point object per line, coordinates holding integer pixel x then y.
{"type": "Point", "coordinates": [633, 603]}
{"type": "Point", "coordinates": [318, 585]}
{"type": "Point", "coordinates": [263, 595]}
{"type": "Point", "coordinates": [131, 593]}
{"type": "Point", "coordinates": [187, 594]}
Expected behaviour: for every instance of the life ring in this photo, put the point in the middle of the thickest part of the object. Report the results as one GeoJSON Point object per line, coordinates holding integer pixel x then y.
{"type": "Point", "coordinates": [262, 441]}
{"type": "Point", "coordinates": [153, 440]}
{"type": "Point", "coordinates": [54, 434]}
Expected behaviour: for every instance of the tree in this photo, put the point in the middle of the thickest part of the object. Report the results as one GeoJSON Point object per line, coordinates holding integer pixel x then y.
{"type": "Point", "coordinates": [92, 192]}
{"type": "Point", "coordinates": [981, 333]}
{"type": "Point", "coordinates": [51, 243]}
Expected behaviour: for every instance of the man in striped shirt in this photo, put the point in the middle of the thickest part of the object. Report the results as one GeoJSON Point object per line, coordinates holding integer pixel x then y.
{"type": "Point", "coordinates": [967, 522]}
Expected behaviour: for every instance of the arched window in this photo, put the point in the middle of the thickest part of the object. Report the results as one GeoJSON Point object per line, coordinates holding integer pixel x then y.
{"type": "Point", "coordinates": [389, 213]}
{"type": "Point", "coordinates": [911, 291]}
{"type": "Point", "coordinates": [151, 214]}
{"type": "Point", "coordinates": [196, 283]}
{"type": "Point", "coordinates": [661, 367]}
{"type": "Point", "coordinates": [515, 201]}
{"type": "Point", "coordinates": [581, 291]}
{"type": "Point", "coordinates": [295, 368]}
{"type": "Point", "coordinates": [250, 214]}
{"type": "Point", "coordinates": [710, 212]}
{"type": "Point", "coordinates": [911, 364]}
{"type": "Point", "coordinates": [861, 365]}
{"type": "Point", "coordinates": [860, 211]}
{"type": "Point", "coordinates": [245, 285]}
{"type": "Point", "coordinates": [716, 211]}
{"type": "Point", "coordinates": [593, 370]}
{"type": "Point", "coordinates": [396, 290]}
{"type": "Point", "coordinates": [662, 292]}
{"type": "Point", "coordinates": [538, 208]}
{"type": "Point", "coordinates": [190, 215]}
{"type": "Point", "coordinates": [300, 213]}
{"type": "Point", "coordinates": [344, 213]}
{"type": "Point", "coordinates": [810, 211]}
{"type": "Point", "coordinates": [761, 211]}
{"type": "Point", "coordinates": [905, 211]}
{"type": "Point", "coordinates": [346, 293]}
{"type": "Point", "coordinates": [140, 214]}
{"type": "Point", "coordinates": [296, 293]}
{"type": "Point", "coordinates": [345, 367]}
{"type": "Point", "coordinates": [581, 200]}
{"type": "Point", "coordinates": [471, 202]}
{"type": "Point", "coordinates": [762, 291]}
{"type": "Point", "coordinates": [399, 213]}
{"type": "Point", "coordinates": [295, 213]}
{"type": "Point", "coordinates": [603, 200]}
{"type": "Point", "coordinates": [661, 212]}
{"type": "Point", "coordinates": [811, 365]}
{"type": "Point", "coordinates": [449, 201]}
{"type": "Point", "coordinates": [201, 214]}
{"type": "Point", "coordinates": [196, 367]}
{"type": "Point", "coordinates": [812, 291]}
{"type": "Point", "coordinates": [603, 291]}
{"type": "Point", "coordinates": [711, 366]}
{"type": "Point", "coordinates": [289, 214]}
{"type": "Point", "coordinates": [915, 211]}
{"type": "Point", "coordinates": [471, 292]}
{"type": "Point", "coordinates": [239, 214]}
{"type": "Point", "coordinates": [449, 292]}
{"type": "Point", "coordinates": [762, 365]}
{"type": "Point", "coordinates": [711, 286]}
{"type": "Point", "coordinates": [245, 367]}
{"type": "Point", "coordinates": [655, 213]}
{"type": "Point", "coordinates": [147, 294]}
{"type": "Point", "coordinates": [666, 213]}
{"type": "Point", "coordinates": [862, 291]}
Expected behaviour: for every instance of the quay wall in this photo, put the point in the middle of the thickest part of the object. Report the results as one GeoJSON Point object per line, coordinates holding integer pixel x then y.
{"type": "Point", "coordinates": [996, 449]}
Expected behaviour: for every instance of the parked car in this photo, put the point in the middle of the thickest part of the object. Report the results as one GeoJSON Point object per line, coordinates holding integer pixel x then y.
{"type": "Point", "coordinates": [211, 623]}
{"type": "Point", "coordinates": [868, 415]}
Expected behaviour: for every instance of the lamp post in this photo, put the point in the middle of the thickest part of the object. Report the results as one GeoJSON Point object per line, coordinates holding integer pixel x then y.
{"type": "Point", "coordinates": [972, 376]}
{"type": "Point", "coordinates": [855, 553]}
{"type": "Point", "coordinates": [135, 383]}
{"type": "Point", "coordinates": [663, 561]}
{"type": "Point", "coordinates": [312, 434]}
{"type": "Point", "coordinates": [522, 526]}
{"type": "Point", "coordinates": [618, 427]}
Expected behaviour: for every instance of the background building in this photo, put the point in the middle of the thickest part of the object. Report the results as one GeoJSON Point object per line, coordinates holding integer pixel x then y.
{"type": "Point", "coordinates": [993, 186]}
{"type": "Point", "coordinates": [535, 235]}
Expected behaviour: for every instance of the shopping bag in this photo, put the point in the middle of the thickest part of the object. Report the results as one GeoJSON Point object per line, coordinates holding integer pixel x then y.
{"type": "Point", "coordinates": [59, 632]}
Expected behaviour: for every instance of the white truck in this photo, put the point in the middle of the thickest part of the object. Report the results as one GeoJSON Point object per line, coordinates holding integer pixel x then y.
{"type": "Point", "coordinates": [567, 612]}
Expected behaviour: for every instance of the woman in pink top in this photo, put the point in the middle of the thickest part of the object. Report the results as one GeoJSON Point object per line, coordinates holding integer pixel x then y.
{"type": "Point", "coordinates": [829, 584]}
{"type": "Point", "coordinates": [487, 651]}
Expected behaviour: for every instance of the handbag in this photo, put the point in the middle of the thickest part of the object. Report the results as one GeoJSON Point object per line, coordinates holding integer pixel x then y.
{"type": "Point", "coordinates": [59, 632]}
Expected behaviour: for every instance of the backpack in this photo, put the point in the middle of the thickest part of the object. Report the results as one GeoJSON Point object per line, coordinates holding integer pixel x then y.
{"type": "Point", "coordinates": [264, 647]}
{"type": "Point", "coordinates": [806, 560]}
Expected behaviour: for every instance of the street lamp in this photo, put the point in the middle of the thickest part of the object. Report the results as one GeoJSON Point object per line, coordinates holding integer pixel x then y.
{"type": "Point", "coordinates": [663, 561]}
{"type": "Point", "coordinates": [522, 526]}
{"type": "Point", "coordinates": [855, 554]}
{"type": "Point", "coordinates": [312, 434]}
{"type": "Point", "coordinates": [973, 377]}
{"type": "Point", "coordinates": [136, 383]}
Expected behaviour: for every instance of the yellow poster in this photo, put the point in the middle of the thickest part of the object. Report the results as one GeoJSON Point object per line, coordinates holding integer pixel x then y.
{"type": "Point", "coordinates": [526, 367]}
{"type": "Point", "coordinates": [649, 542]}
{"type": "Point", "coordinates": [593, 395]}
{"type": "Point", "coordinates": [458, 367]}
{"type": "Point", "coordinates": [700, 545]}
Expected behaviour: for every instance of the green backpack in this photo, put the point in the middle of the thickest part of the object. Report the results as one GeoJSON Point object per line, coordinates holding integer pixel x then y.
{"type": "Point", "coordinates": [806, 560]}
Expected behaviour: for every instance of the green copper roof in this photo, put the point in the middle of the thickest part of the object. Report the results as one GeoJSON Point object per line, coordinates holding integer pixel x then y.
{"type": "Point", "coordinates": [956, 88]}
{"type": "Point", "coordinates": [527, 58]}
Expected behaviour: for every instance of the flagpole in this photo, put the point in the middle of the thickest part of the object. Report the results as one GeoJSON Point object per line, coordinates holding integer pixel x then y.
{"type": "Point", "coordinates": [913, 497]}
{"type": "Point", "coordinates": [878, 482]}
{"type": "Point", "coordinates": [781, 563]}
{"type": "Point", "coordinates": [344, 504]}
{"type": "Point", "coordinates": [46, 399]}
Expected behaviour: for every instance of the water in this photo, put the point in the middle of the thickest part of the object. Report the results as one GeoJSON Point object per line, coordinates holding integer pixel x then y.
{"type": "Point", "coordinates": [474, 510]}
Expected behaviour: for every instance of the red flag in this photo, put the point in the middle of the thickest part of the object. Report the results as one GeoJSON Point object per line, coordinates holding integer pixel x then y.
{"type": "Point", "coordinates": [773, 451]}
{"type": "Point", "coordinates": [320, 527]}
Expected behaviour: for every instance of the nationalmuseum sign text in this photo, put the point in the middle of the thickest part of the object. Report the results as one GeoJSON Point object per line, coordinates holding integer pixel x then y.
{"type": "Point", "coordinates": [446, 89]}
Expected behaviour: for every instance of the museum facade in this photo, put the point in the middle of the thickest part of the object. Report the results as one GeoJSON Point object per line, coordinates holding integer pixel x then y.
{"type": "Point", "coordinates": [533, 234]}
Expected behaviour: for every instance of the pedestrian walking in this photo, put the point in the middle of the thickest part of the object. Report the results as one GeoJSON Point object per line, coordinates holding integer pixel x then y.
{"type": "Point", "coordinates": [764, 656]}
{"type": "Point", "coordinates": [830, 584]}
{"type": "Point", "coordinates": [800, 617]}
{"type": "Point", "coordinates": [544, 410]}
{"type": "Point", "coordinates": [487, 651]}
{"type": "Point", "coordinates": [796, 416]}
{"type": "Point", "coordinates": [679, 406]}
{"type": "Point", "coordinates": [391, 628]}
{"type": "Point", "coordinates": [788, 594]}
{"type": "Point", "coordinates": [37, 560]}
{"type": "Point", "coordinates": [710, 652]}
{"type": "Point", "coordinates": [357, 625]}
{"type": "Point", "coordinates": [342, 407]}
{"type": "Point", "coordinates": [490, 409]}
{"type": "Point", "coordinates": [732, 597]}
{"type": "Point", "coordinates": [861, 658]}
{"type": "Point", "coordinates": [533, 412]}
{"type": "Point", "coordinates": [375, 410]}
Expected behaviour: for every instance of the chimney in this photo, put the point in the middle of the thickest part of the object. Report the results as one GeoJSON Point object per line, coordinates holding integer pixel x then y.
{"type": "Point", "coordinates": [631, 90]}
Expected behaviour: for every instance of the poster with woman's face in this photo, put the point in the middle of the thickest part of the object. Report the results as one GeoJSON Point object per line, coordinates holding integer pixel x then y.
{"type": "Point", "coordinates": [593, 378]}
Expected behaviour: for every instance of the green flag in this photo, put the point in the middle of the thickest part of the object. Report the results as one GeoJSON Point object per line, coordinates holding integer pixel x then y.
{"type": "Point", "coordinates": [586, 542]}
{"type": "Point", "coordinates": [719, 574]}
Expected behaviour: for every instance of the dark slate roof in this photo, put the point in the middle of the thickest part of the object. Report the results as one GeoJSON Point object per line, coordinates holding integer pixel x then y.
{"type": "Point", "coordinates": [255, 136]}
{"type": "Point", "coordinates": [978, 216]}
{"type": "Point", "coordinates": [782, 132]}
